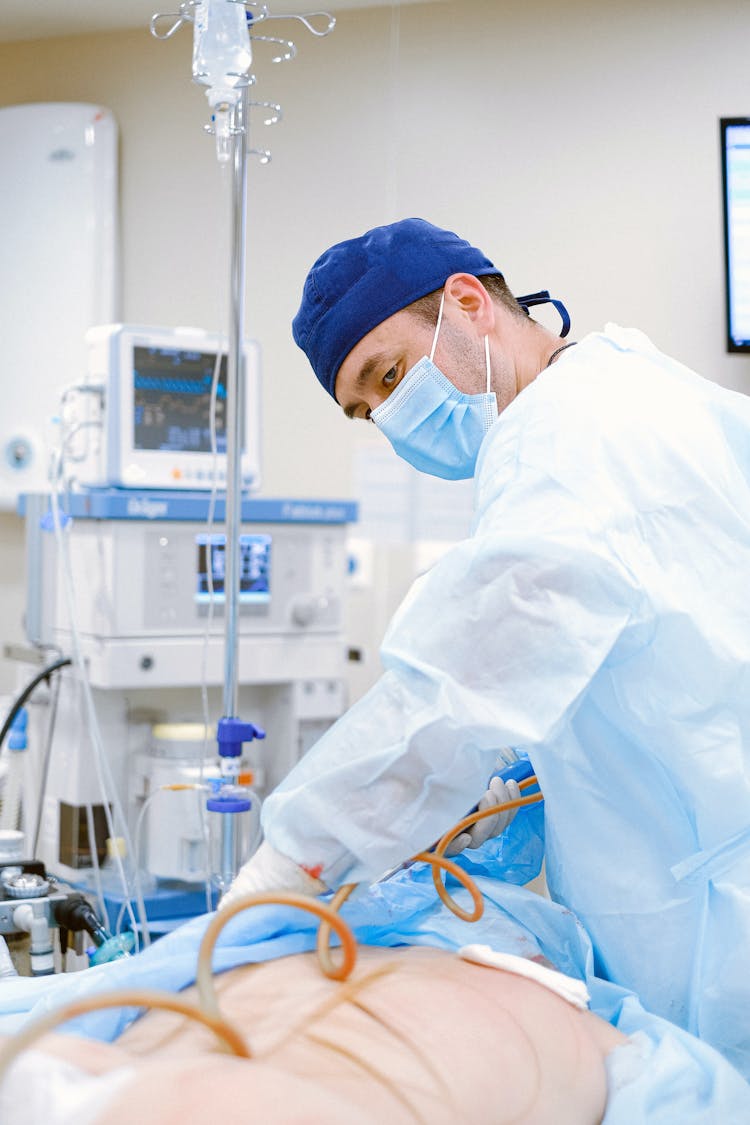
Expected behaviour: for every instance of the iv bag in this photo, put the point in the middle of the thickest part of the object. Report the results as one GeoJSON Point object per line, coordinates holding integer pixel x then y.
{"type": "Point", "coordinates": [221, 45]}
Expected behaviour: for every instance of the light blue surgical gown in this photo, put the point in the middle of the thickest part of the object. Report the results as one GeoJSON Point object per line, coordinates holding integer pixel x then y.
{"type": "Point", "coordinates": [599, 619]}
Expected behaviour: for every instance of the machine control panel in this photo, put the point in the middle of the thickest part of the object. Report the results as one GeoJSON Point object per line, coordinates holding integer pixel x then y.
{"type": "Point", "coordinates": [154, 573]}
{"type": "Point", "coordinates": [27, 885]}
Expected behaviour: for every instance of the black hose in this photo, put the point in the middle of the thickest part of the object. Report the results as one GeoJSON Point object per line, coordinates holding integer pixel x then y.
{"type": "Point", "coordinates": [75, 913]}
{"type": "Point", "coordinates": [19, 701]}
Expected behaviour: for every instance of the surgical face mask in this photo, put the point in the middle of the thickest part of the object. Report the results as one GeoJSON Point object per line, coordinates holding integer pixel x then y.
{"type": "Point", "coordinates": [433, 425]}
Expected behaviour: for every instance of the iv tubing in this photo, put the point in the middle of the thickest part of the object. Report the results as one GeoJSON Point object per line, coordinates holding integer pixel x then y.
{"type": "Point", "coordinates": [438, 861]}
{"type": "Point", "coordinates": [204, 977]}
{"type": "Point", "coordinates": [121, 998]}
{"type": "Point", "coordinates": [323, 940]}
{"type": "Point", "coordinates": [437, 857]}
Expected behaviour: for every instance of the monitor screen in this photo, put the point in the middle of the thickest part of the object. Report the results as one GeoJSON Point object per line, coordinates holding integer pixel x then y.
{"type": "Point", "coordinates": [735, 156]}
{"type": "Point", "coordinates": [172, 400]}
{"type": "Point", "coordinates": [255, 568]}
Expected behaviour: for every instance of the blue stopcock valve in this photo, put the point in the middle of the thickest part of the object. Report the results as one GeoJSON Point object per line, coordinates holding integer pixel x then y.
{"type": "Point", "coordinates": [232, 733]}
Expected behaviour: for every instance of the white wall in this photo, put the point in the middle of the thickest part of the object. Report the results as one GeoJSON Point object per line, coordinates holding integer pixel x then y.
{"type": "Point", "coordinates": [576, 143]}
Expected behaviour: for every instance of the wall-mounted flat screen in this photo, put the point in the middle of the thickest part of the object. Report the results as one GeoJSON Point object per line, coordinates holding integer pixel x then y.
{"type": "Point", "coordinates": [735, 164]}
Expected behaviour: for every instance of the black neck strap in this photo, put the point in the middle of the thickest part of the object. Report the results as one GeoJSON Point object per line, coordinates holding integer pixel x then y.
{"type": "Point", "coordinates": [555, 354]}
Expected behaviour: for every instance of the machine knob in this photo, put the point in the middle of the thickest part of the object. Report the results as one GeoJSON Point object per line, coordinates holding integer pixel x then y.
{"type": "Point", "coordinates": [303, 611]}
{"type": "Point", "coordinates": [26, 885]}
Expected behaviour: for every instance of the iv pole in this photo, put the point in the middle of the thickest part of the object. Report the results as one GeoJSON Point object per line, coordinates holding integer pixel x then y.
{"type": "Point", "coordinates": [232, 732]}
{"type": "Point", "coordinates": [233, 514]}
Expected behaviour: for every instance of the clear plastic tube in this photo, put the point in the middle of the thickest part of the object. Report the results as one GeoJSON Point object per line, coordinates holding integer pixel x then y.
{"type": "Point", "coordinates": [101, 765]}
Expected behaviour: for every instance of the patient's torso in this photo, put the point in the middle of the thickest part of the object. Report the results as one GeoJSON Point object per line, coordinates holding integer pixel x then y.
{"type": "Point", "coordinates": [416, 1035]}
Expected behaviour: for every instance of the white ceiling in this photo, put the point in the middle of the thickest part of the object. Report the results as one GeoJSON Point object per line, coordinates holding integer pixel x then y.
{"type": "Point", "coordinates": [45, 19]}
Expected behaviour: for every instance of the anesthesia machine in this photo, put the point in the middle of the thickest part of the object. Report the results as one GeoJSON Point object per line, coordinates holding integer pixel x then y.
{"type": "Point", "coordinates": [147, 570]}
{"type": "Point", "coordinates": [149, 575]}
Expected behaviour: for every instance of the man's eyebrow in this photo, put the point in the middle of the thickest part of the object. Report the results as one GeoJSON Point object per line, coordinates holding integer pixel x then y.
{"type": "Point", "coordinates": [371, 365]}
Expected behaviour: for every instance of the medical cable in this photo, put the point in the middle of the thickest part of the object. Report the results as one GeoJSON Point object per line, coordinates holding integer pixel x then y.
{"type": "Point", "coordinates": [21, 698]}
{"type": "Point", "coordinates": [75, 914]}
{"type": "Point", "coordinates": [15, 708]}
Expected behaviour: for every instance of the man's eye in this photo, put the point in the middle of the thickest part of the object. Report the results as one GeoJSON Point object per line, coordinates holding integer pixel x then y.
{"type": "Point", "coordinates": [390, 377]}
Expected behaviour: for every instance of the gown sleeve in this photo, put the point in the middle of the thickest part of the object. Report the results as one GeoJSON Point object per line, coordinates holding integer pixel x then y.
{"type": "Point", "coordinates": [495, 646]}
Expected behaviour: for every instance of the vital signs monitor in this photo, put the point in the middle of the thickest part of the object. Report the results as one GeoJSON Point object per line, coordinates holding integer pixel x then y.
{"type": "Point", "coordinates": [155, 424]}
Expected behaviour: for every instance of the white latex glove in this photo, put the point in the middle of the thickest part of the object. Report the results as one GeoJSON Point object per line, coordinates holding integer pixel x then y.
{"type": "Point", "coordinates": [498, 793]}
{"type": "Point", "coordinates": [269, 870]}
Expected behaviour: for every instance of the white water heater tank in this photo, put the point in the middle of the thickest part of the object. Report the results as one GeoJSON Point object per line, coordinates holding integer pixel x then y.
{"type": "Point", "coordinates": [58, 219]}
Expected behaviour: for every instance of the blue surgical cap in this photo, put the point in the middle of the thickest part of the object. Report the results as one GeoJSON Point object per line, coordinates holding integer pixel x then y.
{"type": "Point", "coordinates": [357, 284]}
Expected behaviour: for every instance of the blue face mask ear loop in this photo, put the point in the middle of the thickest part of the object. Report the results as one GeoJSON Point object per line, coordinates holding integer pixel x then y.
{"type": "Point", "coordinates": [487, 361]}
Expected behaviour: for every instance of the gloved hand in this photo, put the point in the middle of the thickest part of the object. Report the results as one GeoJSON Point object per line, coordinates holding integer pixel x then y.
{"type": "Point", "coordinates": [269, 870]}
{"type": "Point", "coordinates": [498, 793]}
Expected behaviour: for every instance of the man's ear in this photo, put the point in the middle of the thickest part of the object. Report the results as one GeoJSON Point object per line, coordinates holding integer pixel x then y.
{"type": "Point", "coordinates": [467, 295]}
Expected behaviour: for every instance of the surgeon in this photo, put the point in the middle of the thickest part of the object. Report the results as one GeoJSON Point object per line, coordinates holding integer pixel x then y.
{"type": "Point", "coordinates": [597, 619]}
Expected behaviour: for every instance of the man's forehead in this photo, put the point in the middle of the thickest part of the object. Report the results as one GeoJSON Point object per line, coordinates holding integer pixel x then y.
{"type": "Point", "coordinates": [394, 331]}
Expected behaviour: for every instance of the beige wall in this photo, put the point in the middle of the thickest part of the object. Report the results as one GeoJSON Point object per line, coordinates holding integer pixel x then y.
{"type": "Point", "coordinates": [576, 143]}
